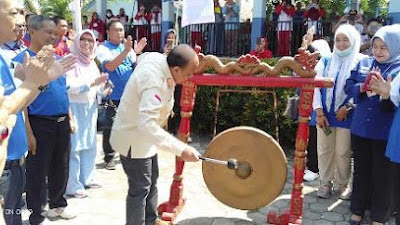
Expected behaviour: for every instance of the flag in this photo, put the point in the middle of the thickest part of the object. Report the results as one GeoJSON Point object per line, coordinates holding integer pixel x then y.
{"type": "Point", "coordinates": [197, 11]}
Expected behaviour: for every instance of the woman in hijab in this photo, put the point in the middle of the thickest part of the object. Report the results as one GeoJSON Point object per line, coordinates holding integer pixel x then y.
{"type": "Point", "coordinates": [97, 26]}
{"type": "Point", "coordinates": [370, 129]}
{"type": "Point", "coordinates": [109, 16]}
{"type": "Point", "coordinates": [333, 113]}
{"type": "Point", "coordinates": [392, 90]}
{"type": "Point", "coordinates": [261, 50]}
{"type": "Point", "coordinates": [170, 41]}
{"type": "Point", "coordinates": [83, 83]}
{"type": "Point", "coordinates": [388, 89]}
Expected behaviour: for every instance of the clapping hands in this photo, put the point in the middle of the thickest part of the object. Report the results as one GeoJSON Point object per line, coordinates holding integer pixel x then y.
{"type": "Point", "coordinates": [380, 86]}
{"type": "Point", "coordinates": [139, 46]}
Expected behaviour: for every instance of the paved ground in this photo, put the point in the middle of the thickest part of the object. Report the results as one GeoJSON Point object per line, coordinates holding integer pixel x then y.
{"type": "Point", "coordinates": [106, 206]}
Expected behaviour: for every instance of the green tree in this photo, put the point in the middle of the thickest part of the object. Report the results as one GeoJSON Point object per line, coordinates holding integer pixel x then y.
{"type": "Point", "coordinates": [56, 8]}
{"type": "Point", "coordinates": [29, 6]}
{"type": "Point", "coordinates": [369, 7]}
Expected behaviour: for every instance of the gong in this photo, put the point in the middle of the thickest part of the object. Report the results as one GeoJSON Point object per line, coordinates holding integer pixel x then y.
{"type": "Point", "coordinates": [261, 173]}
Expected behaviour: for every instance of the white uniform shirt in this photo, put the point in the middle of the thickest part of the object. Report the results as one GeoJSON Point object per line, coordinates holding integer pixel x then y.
{"type": "Point", "coordinates": [144, 108]}
{"type": "Point", "coordinates": [155, 24]}
{"type": "Point", "coordinates": [285, 22]}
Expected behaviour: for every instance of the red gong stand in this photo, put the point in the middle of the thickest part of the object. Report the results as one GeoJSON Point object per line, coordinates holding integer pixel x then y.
{"type": "Point", "coordinates": [248, 71]}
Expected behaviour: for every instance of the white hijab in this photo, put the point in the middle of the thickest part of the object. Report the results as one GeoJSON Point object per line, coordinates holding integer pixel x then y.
{"type": "Point", "coordinates": [341, 66]}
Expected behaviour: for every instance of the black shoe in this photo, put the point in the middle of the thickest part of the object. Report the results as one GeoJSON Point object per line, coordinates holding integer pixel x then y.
{"type": "Point", "coordinates": [110, 165]}
{"type": "Point", "coordinates": [355, 222]}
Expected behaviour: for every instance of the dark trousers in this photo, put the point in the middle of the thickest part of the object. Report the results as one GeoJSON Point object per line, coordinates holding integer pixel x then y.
{"type": "Point", "coordinates": [298, 33]}
{"type": "Point", "coordinates": [396, 192]}
{"type": "Point", "coordinates": [173, 122]}
{"type": "Point", "coordinates": [372, 179]}
{"type": "Point", "coordinates": [52, 161]}
{"type": "Point", "coordinates": [109, 152]}
{"type": "Point", "coordinates": [312, 157]}
{"type": "Point", "coordinates": [141, 202]}
{"type": "Point", "coordinates": [12, 183]}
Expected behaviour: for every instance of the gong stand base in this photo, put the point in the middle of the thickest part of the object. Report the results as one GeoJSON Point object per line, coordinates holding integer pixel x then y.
{"type": "Point", "coordinates": [169, 212]}
{"type": "Point", "coordinates": [284, 219]}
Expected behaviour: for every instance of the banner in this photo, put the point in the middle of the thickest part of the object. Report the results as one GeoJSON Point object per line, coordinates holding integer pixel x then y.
{"type": "Point", "coordinates": [197, 11]}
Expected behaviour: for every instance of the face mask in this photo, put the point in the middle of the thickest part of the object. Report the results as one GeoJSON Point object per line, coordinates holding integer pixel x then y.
{"type": "Point", "coordinates": [343, 53]}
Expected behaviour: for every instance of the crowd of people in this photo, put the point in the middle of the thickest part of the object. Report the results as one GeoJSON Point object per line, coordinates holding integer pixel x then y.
{"type": "Point", "coordinates": [354, 120]}
{"type": "Point", "coordinates": [52, 149]}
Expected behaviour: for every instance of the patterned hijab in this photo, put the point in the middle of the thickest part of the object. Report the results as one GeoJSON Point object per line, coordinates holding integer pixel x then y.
{"type": "Point", "coordinates": [76, 47]}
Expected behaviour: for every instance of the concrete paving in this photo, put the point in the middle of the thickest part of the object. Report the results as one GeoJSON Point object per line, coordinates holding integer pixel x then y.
{"type": "Point", "coordinates": [106, 206]}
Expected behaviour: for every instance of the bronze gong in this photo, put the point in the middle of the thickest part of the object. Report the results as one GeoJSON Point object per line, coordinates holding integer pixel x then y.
{"type": "Point", "coordinates": [261, 173]}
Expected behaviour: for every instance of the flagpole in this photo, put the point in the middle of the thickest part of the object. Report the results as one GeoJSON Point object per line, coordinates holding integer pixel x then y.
{"type": "Point", "coordinates": [76, 11]}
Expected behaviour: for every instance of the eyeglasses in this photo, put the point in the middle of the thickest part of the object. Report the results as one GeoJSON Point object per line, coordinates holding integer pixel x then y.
{"type": "Point", "coordinates": [90, 41]}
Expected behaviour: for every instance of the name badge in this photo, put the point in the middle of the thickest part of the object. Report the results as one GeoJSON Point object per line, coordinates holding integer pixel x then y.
{"type": "Point", "coordinates": [363, 69]}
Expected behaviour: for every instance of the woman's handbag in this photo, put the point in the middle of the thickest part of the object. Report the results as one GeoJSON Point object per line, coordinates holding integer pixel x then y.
{"type": "Point", "coordinates": [292, 107]}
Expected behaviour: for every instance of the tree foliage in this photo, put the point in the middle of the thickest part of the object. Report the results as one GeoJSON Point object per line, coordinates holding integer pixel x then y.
{"type": "Point", "coordinates": [56, 8]}
{"type": "Point", "coordinates": [30, 6]}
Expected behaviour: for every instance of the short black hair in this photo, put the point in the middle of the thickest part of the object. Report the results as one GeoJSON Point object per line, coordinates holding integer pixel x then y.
{"type": "Point", "coordinates": [374, 20]}
{"type": "Point", "coordinates": [28, 15]}
{"type": "Point", "coordinates": [112, 22]}
{"type": "Point", "coordinates": [36, 22]}
{"type": "Point", "coordinates": [57, 19]}
{"type": "Point", "coordinates": [180, 56]}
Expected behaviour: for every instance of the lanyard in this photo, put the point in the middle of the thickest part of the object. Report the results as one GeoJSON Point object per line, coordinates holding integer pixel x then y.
{"type": "Point", "coordinates": [386, 70]}
{"type": "Point", "coordinates": [15, 49]}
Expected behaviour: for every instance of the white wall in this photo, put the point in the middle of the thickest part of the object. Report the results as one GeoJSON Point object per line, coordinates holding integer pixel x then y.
{"type": "Point", "coordinates": [394, 6]}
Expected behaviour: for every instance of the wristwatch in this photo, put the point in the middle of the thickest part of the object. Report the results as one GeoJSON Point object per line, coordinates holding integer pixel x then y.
{"type": "Point", "coordinates": [349, 106]}
{"type": "Point", "coordinates": [43, 87]}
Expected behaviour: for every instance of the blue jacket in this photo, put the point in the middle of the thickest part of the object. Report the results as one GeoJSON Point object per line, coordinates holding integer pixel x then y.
{"type": "Point", "coordinates": [370, 120]}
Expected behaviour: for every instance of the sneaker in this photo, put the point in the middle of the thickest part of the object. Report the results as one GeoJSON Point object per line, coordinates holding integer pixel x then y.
{"type": "Point", "coordinates": [345, 192]}
{"type": "Point", "coordinates": [110, 165]}
{"type": "Point", "coordinates": [310, 175]}
{"type": "Point", "coordinates": [59, 213]}
{"type": "Point", "coordinates": [324, 191]}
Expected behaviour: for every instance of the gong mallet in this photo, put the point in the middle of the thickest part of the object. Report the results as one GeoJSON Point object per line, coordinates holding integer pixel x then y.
{"type": "Point", "coordinates": [242, 169]}
{"type": "Point", "coordinates": [231, 163]}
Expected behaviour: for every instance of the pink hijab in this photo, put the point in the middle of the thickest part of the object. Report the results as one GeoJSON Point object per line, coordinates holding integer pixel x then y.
{"type": "Point", "coordinates": [76, 47]}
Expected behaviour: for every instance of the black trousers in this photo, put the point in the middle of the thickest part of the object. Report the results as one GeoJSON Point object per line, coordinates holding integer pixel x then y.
{"type": "Point", "coordinates": [173, 123]}
{"type": "Point", "coordinates": [109, 152]}
{"type": "Point", "coordinates": [141, 202]}
{"type": "Point", "coordinates": [312, 157]}
{"type": "Point", "coordinates": [396, 192]}
{"type": "Point", "coordinates": [52, 161]}
{"type": "Point", "coordinates": [373, 178]}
